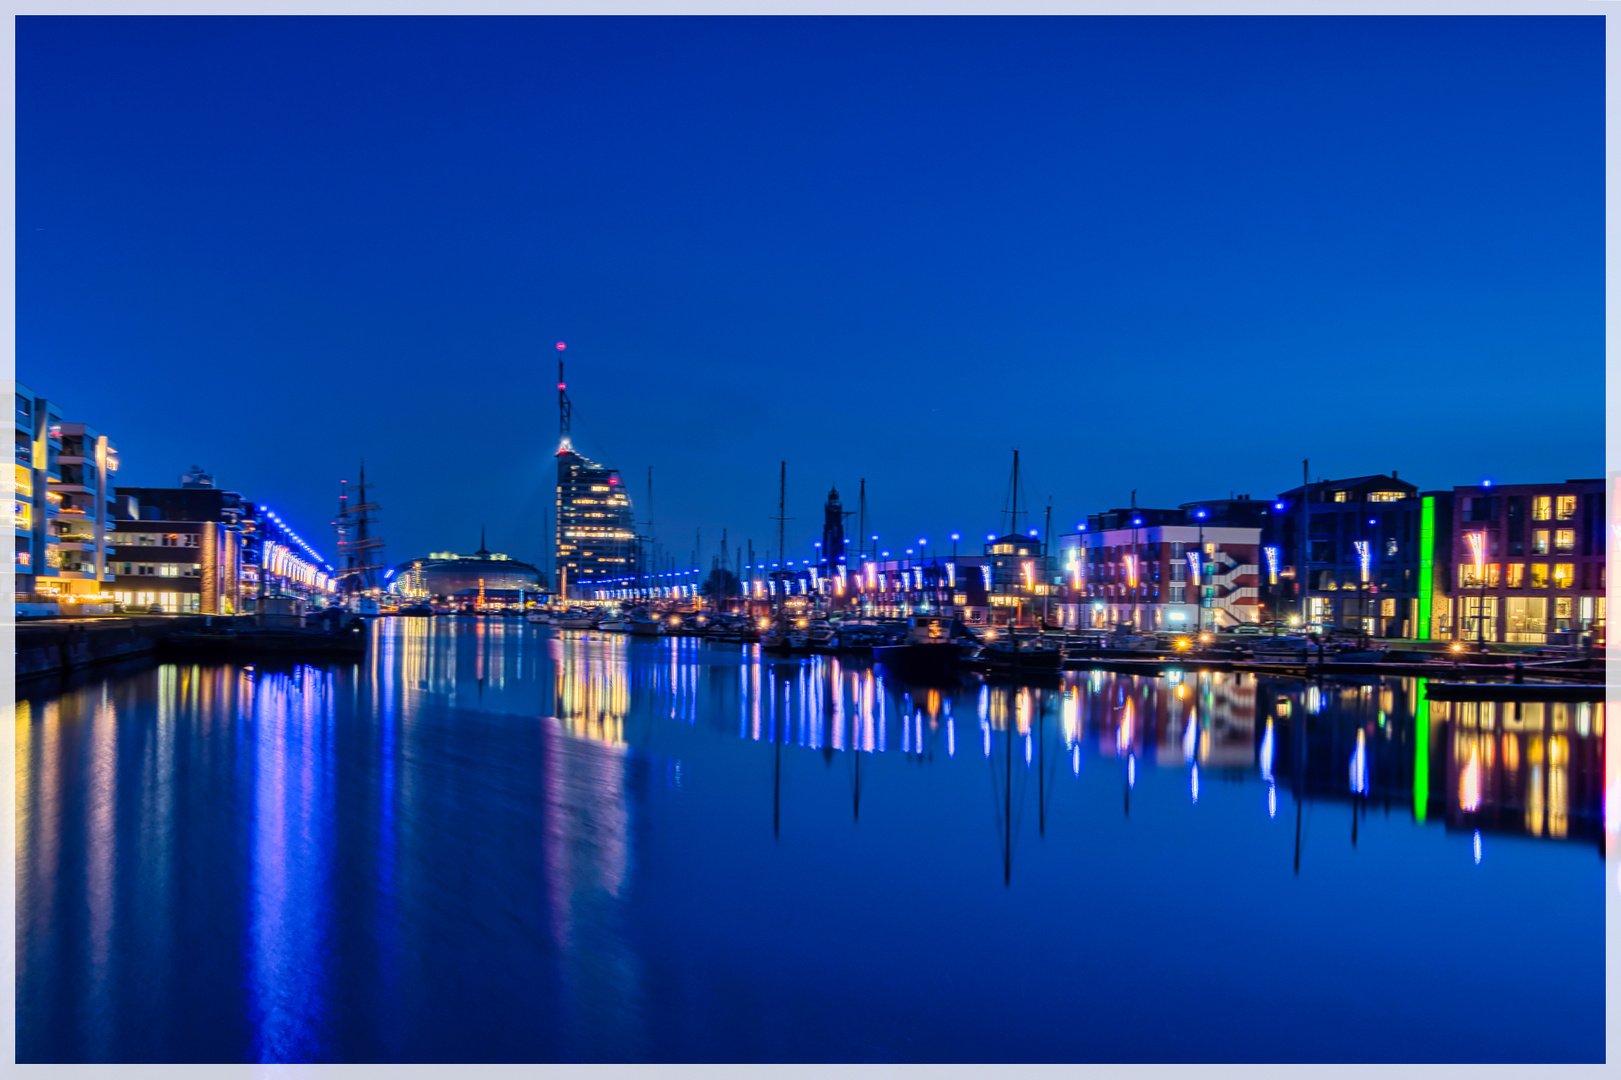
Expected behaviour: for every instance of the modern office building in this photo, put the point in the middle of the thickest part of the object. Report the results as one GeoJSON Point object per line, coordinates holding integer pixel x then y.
{"type": "Point", "coordinates": [1518, 563]}
{"type": "Point", "coordinates": [596, 532]}
{"type": "Point", "coordinates": [61, 484]}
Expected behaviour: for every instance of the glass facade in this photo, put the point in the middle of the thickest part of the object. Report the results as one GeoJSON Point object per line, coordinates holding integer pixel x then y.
{"type": "Point", "coordinates": [596, 528]}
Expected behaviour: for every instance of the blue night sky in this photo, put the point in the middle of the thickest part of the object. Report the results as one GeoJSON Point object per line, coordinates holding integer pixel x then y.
{"type": "Point", "coordinates": [1171, 254]}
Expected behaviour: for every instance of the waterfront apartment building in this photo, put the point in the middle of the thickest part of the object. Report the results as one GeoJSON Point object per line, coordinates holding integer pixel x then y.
{"type": "Point", "coordinates": [596, 532]}
{"type": "Point", "coordinates": [921, 585]}
{"type": "Point", "coordinates": [1360, 566]}
{"type": "Point", "coordinates": [1159, 569]}
{"type": "Point", "coordinates": [199, 549]}
{"type": "Point", "coordinates": [1016, 578]}
{"type": "Point", "coordinates": [61, 477]}
{"type": "Point", "coordinates": [1518, 563]}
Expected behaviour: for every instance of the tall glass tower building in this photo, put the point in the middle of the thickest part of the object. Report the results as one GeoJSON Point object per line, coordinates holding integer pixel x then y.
{"type": "Point", "coordinates": [596, 532]}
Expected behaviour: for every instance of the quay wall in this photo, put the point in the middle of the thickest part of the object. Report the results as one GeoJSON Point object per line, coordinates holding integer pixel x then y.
{"type": "Point", "coordinates": [56, 646]}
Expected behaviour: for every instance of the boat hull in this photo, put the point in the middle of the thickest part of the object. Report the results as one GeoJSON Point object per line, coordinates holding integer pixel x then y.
{"type": "Point", "coordinates": [1022, 659]}
{"type": "Point", "coordinates": [934, 659]}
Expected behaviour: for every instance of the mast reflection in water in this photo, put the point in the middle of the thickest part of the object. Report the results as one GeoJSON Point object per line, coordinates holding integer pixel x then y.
{"type": "Point", "coordinates": [493, 842]}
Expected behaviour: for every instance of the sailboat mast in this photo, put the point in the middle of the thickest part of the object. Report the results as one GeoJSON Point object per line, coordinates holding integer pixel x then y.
{"type": "Point", "coordinates": [1046, 569]}
{"type": "Point", "coordinates": [1015, 491]}
{"type": "Point", "coordinates": [782, 503]}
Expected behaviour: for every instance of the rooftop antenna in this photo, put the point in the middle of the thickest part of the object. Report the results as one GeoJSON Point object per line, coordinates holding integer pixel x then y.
{"type": "Point", "coordinates": [565, 410]}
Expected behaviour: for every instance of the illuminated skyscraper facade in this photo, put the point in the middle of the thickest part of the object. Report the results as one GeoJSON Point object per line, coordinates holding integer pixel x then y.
{"type": "Point", "coordinates": [596, 532]}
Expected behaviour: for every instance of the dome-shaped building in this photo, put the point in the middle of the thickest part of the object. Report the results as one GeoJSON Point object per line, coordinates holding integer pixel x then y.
{"type": "Point", "coordinates": [444, 576]}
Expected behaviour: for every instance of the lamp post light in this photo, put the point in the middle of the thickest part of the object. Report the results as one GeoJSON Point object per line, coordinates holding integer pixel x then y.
{"type": "Point", "coordinates": [1199, 585]}
{"type": "Point", "coordinates": [1136, 567]}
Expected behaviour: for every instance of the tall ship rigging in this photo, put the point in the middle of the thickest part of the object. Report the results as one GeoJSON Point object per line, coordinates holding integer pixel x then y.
{"type": "Point", "coordinates": [360, 548]}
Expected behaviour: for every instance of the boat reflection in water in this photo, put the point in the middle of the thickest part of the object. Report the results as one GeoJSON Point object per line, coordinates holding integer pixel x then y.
{"type": "Point", "coordinates": [491, 841]}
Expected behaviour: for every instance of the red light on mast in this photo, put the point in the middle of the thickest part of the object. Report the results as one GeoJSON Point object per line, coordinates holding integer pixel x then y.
{"type": "Point", "coordinates": [561, 346]}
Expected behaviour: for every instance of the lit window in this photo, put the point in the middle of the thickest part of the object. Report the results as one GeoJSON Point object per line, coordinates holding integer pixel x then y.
{"type": "Point", "coordinates": [1516, 575]}
{"type": "Point", "coordinates": [1565, 507]}
{"type": "Point", "coordinates": [1539, 541]}
{"type": "Point", "coordinates": [1340, 496]}
{"type": "Point", "coordinates": [1542, 507]}
{"type": "Point", "coordinates": [1564, 575]}
{"type": "Point", "coordinates": [1384, 496]}
{"type": "Point", "coordinates": [1564, 541]}
{"type": "Point", "coordinates": [1539, 575]}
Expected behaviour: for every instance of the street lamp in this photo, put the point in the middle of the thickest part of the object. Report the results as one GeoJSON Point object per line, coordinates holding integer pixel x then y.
{"type": "Point", "coordinates": [1199, 585]}
{"type": "Point", "coordinates": [1477, 550]}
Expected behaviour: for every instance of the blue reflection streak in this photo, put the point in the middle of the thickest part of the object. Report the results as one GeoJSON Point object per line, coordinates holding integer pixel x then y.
{"type": "Point", "coordinates": [288, 916]}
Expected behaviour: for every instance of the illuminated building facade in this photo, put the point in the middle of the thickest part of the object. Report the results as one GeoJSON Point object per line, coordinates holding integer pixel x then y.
{"type": "Point", "coordinates": [1364, 566]}
{"type": "Point", "coordinates": [1518, 563]}
{"type": "Point", "coordinates": [1016, 578]}
{"type": "Point", "coordinates": [1156, 569]}
{"type": "Point", "coordinates": [60, 510]}
{"type": "Point", "coordinates": [443, 576]}
{"type": "Point", "coordinates": [596, 532]}
{"type": "Point", "coordinates": [197, 548]}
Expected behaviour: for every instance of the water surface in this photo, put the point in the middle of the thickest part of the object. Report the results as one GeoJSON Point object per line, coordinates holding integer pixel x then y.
{"type": "Point", "coordinates": [496, 842]}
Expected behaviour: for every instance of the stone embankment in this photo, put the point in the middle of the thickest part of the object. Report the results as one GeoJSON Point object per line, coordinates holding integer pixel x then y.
{"type": "Point", "coordinates": [57, 646]}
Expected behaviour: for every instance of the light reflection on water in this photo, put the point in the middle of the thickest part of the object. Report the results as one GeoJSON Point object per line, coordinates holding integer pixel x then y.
{"type": "Point", "coordinates": [490, 841]}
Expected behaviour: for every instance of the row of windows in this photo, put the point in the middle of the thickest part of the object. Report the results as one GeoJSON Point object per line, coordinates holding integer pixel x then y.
{"type": "Point", "coordinates": [159, 569]}
{"type": "Point", "coordinates": [169, 601]}
{"type": "Point", "coordinates": [1149, 553]}
{"type": "Point", "coordinates": [188, 540]}
{"type": "Point", "coordinates": [1372, 496]}
{"type": "Point", "coordinates": [1563, 576]}
{"type": "Point", "coordinates": [1562, 506]}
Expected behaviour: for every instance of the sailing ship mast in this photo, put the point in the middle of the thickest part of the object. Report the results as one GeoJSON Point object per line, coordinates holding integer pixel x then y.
{"type": "Point", "coordinates": [1013, 514]}
{"type": "Point", "coordinates": [358, 548]}
{"type": "Point", "coordinates": [782, 552]}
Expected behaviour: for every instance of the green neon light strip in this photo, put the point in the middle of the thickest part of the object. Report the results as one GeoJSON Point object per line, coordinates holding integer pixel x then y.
{"type": "Point", "coordinates": [1421, 748]}
{"type": "Point", "coordinates": [1426, 566]}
